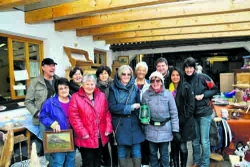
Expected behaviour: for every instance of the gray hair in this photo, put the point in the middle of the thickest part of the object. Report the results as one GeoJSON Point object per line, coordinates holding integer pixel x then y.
{"type": "Point", "coordinates": [141, 64]}
{"type": "Point", "coordinates": [122, 68]}
{"type": "Point", "coordinates": [88, 77]}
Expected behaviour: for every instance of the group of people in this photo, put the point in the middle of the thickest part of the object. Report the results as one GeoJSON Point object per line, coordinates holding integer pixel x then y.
{"type": "Point", "coordinates": [102, 111]}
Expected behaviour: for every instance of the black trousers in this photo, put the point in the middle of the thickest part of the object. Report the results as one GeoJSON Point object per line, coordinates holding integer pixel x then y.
{"type": "Point", "coordinates": [91, 157]}
{"type": "Point", "coordinates": [145, 153]}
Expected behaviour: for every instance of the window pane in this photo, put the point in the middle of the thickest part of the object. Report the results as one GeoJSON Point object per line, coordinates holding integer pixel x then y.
{"type": "Point", "coordinates": [34, 60]}
{"type": "Point", "coordinates": [95, 57]}
{"type": "Point", "coordinates": [19, 65]}
{"type": "Point", "coordinates": [4, 70]}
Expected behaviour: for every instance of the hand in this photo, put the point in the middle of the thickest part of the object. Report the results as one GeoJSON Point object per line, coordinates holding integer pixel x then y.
{"type": "Point", "coordinates": [57, 128]}
{"type": "Point", "coordinates": [86, 137]}
{"type": "Point", "coordinates": [136, 106]}
{"type": "Point", "coordinates": [199, 97]}
{"type": "Point", "coordinates": [106, 133]}
{"type": "Point", "coordinates": [177, 137]}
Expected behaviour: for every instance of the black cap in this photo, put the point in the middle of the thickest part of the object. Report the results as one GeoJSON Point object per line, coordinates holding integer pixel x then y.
{"type": "Point", "coordinates": [48, 61]}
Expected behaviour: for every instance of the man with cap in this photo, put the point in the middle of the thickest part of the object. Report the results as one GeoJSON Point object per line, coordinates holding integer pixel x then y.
{"type": "Point", "coordinates": [162, 67]}
{"type": "Point", "coordinates": [40, 89]}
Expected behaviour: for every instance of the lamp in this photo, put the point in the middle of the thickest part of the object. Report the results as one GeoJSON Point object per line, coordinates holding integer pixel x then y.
{"type": "Point", "coordinates": [144, 114]}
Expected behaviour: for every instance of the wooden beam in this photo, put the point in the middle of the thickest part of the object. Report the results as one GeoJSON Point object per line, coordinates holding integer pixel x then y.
{"type": "Point", "coordinates": [85, 7]}
{"type": "Point", "coordinates": [13, 3]}
{"type": "Point", "coordinates": [177, 31]}
{"type": "Point", "coordinates": [168, 23]}
{"type": "Point", "coordinates": [181, 37]}
{"type": "Point", "coordinates": [160, 12]}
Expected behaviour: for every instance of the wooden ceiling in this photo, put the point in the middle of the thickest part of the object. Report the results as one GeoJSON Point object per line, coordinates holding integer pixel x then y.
{"type": "Point", "coordinates": [128, 21]}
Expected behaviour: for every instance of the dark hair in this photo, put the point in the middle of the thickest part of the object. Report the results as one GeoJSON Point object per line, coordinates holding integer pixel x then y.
{"type": "Point", "coordinates": [73, 71]}
{"type": "Point", "coordinates": [101, 69]}
{"type": "Point", "coordinates": [161, 60]}
{"type": "Point", "coordinates": [61, 81]}
{"type": "Point", "coordinates": [189, 62]}
{"type": "Point", "coordinates": [180, 73]}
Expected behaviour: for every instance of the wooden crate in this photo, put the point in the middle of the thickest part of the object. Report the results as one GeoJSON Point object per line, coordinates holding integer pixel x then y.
{"type": "Point", "coordinates": [243, 78]}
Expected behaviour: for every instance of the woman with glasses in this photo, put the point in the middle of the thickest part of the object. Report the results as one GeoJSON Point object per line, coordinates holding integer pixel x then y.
{"type": "Point", "coordinates": [184, 99]}
{"type": "Point", "coordinates": [141, 70]}
{"type": "Point", "coordinates": [124, 103]}
{"type": "Point", "coordinates": [91, 120]}
{"type": "Point", "coordinates": [76, 79]}
{"type": "Point", "coordinates": [55, 117]}
{"type": "Point", "coordinates": [164, 122]}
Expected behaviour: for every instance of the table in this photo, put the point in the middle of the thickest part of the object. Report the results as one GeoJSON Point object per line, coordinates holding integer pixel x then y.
{"type": "Point", "coordinates": [20, 120]}
{"type": "Point", "coordinates": [239, 127]}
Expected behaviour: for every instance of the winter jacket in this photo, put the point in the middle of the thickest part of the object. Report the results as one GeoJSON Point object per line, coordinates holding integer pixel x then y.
{"type": "Point", "coordinates": [88, 119]}
{"type": "Point", "coordinates": [125, 120]}
{"type": "Point", "coordinates": [35, 96]}
{"type": "Point", "coordinates": [73, 87]}
{"type": "Point", "coordinates": [202, 84]}
{"type": "Point", "coordinates": [185, 105]}
{"type": "Point", "coordinates": [162, 106]}
{"type": "Point", "coordinates": [51, 112]}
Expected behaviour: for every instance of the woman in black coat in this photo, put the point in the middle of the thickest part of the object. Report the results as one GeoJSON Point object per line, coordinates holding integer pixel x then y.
{"type": "Point", "coordinates": [184, 98]}
{"type": "Point", "coordinates": [75, 83]}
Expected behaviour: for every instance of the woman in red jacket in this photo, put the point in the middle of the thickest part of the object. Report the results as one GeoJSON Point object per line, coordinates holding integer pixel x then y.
{"type": "Point", "coordinates": [91, 120]}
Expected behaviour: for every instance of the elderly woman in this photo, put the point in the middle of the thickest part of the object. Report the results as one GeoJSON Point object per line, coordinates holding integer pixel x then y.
{"type": "Point", "coordinates": [204, 89]}
{"type": "Point", "coordinates": [164, 122]}
{"type": "Point", "coordinates": [141, 70]}
{"type": "Point", "coordinates": [91, 120]}
{"type": "Point", "coordinates": [104, 81]}
{"type": "Point", "coordinates": [184, 99]}
{"type": "Point", "coordinates": [75, 74]}
{"type": "Point", "coordinates": [55, 116]}
{"type": "Point", "coordinates": [124, 105]}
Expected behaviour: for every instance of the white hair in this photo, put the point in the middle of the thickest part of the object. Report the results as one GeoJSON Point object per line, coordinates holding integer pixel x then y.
{"type": "Point", "coordinates": [199, 69]}
{"type": "Point", "coordinates": [141, 64]}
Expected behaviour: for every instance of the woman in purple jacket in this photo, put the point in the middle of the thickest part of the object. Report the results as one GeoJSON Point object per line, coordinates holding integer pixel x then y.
{"type": "Point", "coordinates": [55, 116]}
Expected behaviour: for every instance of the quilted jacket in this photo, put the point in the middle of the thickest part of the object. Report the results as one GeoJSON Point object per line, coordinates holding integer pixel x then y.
{"type": "Point", "coordinates": [87, 119]}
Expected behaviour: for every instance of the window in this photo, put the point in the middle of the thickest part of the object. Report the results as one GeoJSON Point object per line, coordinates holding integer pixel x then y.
{"type": "Point", "coordinates": [20, 60]}
{"type": "Point", "coordinates": [100, 57]}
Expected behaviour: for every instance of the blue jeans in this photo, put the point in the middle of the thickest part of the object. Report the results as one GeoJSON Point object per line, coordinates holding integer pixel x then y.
{"type": "Point", "coordinates": [48, 156]}
{"type": "Point", "coordinates": [66, 159]}
{"type": "Point", "coordinates": [201, 144]}
{"type": "Point", "coordinates": [153, 154]}
{"type": "Point", "coordinates": [123, 150]}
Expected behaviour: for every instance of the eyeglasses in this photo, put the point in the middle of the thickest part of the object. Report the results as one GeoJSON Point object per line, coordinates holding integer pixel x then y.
{"type": "Point", "coordinates": [155, 80]}
{"type": "Point", "coordinates": [124, 74]}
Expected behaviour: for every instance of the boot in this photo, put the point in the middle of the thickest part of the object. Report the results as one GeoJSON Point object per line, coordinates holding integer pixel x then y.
{"type": "Point", "coordinates": [184, 156]}
{"type": "Point", "coordinates": [176, 161]}
{"type": "Point", "coordinates": [136, 162]}
{"type": "Point", "coordinates": [123, 162]}
{"type": "Point", "coordinates": [171, 162]}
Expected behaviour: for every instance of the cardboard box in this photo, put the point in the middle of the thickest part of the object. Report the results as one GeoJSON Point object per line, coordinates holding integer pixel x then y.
{"type": "Point", "coordinates": [226, 82]}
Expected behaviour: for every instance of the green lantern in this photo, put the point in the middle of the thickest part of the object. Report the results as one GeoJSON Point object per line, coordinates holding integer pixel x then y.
{"type": "Point", "coordinates": [144, 114]}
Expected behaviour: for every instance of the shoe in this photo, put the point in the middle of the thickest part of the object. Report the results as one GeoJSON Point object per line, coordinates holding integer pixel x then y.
{"type": "Point", "coordinates": [195, 165]}
{"type": "Point", "coordinates": [216, 157]}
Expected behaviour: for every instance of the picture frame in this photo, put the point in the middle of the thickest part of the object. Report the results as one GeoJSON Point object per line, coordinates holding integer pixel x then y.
{"type": "Point", "coordinates": [58, 141]}
{"type": "Point", "coordinates": [123, 59]}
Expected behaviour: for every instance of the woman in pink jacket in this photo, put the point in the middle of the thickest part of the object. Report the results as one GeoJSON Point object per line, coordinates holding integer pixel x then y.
{"type": "Point", "coordinates": [91, 120]}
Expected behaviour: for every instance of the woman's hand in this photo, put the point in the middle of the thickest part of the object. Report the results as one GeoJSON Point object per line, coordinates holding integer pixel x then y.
{"type": "Point", "coordinates": [57, 128]}
{"type": "Point", "coordinates": [86, 137]}
{"type": "Point", "coordinates": [199, 97]}
{"type": "Point", "coordinates": [106, 133]}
